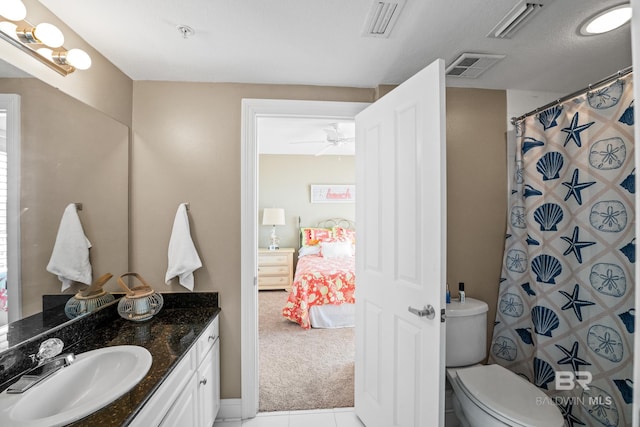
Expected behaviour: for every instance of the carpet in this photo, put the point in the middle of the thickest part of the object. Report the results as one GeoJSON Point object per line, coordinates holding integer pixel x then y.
{"type": "Point", "coordinates": [302, 369]}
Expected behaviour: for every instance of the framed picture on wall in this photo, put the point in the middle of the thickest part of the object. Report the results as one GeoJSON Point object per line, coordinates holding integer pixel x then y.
{"type": "Point", "coordinates": [333, 193]}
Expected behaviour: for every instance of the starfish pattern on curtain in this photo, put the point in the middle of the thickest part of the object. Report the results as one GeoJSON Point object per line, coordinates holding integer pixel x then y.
{"type": "Point", "coordinates": [566, 309]}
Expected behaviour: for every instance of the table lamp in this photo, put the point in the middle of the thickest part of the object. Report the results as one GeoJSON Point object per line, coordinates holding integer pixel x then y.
{"type": "Point", "coordinates": [273, 217]}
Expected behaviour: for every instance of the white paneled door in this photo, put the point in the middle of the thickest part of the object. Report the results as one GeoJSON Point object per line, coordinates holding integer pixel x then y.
{"type": "Point", "coordinates": [401, 254]}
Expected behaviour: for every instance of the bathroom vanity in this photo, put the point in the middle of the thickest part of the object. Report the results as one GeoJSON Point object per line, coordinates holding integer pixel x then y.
{"type": "Point", "coordinates": [190, 394]}
{"type": "Point", "coordinates": [182, 386]}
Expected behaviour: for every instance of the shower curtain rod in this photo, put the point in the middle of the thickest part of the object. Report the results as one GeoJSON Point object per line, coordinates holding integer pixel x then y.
{"type": "Point", "coordinates": [606, 80]}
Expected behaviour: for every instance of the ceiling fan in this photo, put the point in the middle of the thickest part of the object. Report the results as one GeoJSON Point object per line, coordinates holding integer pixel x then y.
{"type": "Point", "coordinates": [335, 138]}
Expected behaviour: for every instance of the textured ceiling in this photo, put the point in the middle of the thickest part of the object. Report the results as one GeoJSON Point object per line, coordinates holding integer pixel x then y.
{"type": "Point", "coordinates": [320, 42]}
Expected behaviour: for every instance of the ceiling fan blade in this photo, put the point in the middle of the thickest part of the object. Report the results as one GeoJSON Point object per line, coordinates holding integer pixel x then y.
{"type": "Point", "coordinates": [308, 142]}
{"type": "Point", "coordinates": [324, 150]}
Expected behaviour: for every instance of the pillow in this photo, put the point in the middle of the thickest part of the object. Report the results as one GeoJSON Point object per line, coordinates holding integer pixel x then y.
{"type": "Point", "coordinates": [344, 233]}
{"type": "Point", "coordinates": [313, 236]}
{"type": "Point", "coordinates": [308, 250]}
{"type": "Point", "coordinates": [336, 249]}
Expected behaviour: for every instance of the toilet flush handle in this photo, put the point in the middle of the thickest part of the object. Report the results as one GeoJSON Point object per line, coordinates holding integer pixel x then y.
{"type": "Point", "coordinates": [429, 312]}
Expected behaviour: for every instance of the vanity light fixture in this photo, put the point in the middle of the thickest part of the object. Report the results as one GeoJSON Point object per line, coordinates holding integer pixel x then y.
{"type": "Point", "coordinates": [607, 20]}
{"type": "Point", "coordinates": [43, 41]}
{"type": "Point", "coordinates": [45, 33]}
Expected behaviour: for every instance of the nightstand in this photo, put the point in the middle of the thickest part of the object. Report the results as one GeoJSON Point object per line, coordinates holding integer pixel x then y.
{"type": "Point", "coordinates": [275, 268]}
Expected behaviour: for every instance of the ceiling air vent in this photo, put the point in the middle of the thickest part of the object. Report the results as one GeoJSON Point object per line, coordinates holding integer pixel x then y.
{"type": "Point", "coordinates": [382, 17]}
{"type": "Point", "coordinates": [514, 20]}
{"type": "Point", "coordinates": [471, 65]}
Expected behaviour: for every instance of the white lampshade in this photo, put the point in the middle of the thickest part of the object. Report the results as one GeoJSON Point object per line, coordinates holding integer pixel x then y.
{"type": "Point", "coordinates": [49, 34]}
{"type": "Point", "coordinates": [79, 59]}
{"type": "Point", "coordinates": [13, 10]}
{"type": "Point", "coordinates": [9, 29]}
{"type": "Point", "coordinates": [273, 216]}
{"type": "Point", "coordinates": [46, 52]}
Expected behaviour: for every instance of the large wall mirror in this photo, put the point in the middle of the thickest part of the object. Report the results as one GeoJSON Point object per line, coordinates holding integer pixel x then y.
{"type": "Point", "coordinates": [68, 153]}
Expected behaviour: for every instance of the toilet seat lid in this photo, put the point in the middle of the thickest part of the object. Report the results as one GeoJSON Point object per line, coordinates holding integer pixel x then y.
{"type": "Point", "coordinates": [506, 395]}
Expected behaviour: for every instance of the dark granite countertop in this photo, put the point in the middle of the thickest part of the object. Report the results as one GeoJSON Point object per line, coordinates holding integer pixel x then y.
{"type": "Point", "coordinates": [167, 336]}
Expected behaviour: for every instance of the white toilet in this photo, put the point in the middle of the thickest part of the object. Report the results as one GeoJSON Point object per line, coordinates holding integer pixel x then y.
{"type": "Point", "coordinates": [488, 395]}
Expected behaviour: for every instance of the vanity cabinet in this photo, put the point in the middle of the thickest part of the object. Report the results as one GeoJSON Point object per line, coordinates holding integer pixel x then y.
{"type": "Point", "coordinates": [190, 395]}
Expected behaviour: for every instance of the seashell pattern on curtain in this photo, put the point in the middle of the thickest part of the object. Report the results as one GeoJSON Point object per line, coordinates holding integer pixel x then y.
{"type": "Point", "coordinates": [565, 318]}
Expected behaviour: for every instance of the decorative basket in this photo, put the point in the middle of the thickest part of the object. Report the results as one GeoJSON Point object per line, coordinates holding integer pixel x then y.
{"type": "Point", "coordinates": [139, 303]}
{"type": "Point", "coordinates": [89, 299]}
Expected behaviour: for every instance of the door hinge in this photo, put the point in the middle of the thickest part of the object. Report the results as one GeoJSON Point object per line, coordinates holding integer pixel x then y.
{"type": "Point", "coordinates": [442, 315]}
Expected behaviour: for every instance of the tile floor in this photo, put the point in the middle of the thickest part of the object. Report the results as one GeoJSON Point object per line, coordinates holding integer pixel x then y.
{"type": "Point", "coordinates": [339, 417]}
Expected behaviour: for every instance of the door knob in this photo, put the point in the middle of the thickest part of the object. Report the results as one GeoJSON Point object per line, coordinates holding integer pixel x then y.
{"type": "Point", "coordinates": [429, 312]}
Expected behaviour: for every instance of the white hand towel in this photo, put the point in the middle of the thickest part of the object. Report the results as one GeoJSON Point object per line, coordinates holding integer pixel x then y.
{"type": "Point", "coordinates": [182, 254]}
{"type": "Point", "coordinates": [70, 255]}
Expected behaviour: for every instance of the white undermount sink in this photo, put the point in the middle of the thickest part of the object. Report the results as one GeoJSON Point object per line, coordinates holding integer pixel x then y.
{"type": "Point", "coordinates": [95, 379]}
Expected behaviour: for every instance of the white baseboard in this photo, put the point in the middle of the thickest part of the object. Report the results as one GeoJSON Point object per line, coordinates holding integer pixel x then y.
{"type": "Point", "coordinates": [230, 409]}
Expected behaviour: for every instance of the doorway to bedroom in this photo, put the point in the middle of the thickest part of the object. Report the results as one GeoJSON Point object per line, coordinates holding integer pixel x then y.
{"type": "Point", "coordinates": [306, 176]}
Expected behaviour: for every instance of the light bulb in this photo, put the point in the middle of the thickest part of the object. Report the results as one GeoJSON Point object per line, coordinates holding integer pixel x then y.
{"type": "Point", "coordinates": [9, 29]}
{"type": "Point", "coordinates": [79, 59]}
{"type": "Point", "coordinates": [49, 34]}
{"type": "Point", "coordinates": [607, 21]}
{"type": "Point", "coordinates": [13, 10]}
{"type": "Point", "coordinates": [46, 52]}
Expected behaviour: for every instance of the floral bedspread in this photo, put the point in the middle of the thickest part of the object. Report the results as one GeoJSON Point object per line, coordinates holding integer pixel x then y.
{"type": "Point", "coordinates": [319, 281]}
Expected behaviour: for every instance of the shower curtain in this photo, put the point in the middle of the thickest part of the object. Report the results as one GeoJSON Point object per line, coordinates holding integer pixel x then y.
{"type": "Point", "coordinates": [565, 314]}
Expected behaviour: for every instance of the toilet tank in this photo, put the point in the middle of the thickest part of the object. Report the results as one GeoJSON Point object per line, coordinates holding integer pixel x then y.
{"type": "Point", "coordinates": [466, 327]}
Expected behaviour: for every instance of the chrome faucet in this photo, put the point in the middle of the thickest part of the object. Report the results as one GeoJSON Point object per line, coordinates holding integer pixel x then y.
{"type": "Point", "coordinates": [49, 362]}
{"type": "Point", "coordinates": [48, 350]}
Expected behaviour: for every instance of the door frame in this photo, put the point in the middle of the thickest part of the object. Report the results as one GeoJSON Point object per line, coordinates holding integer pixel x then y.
{"type": "Point", "coordinates": [11, 103]}
{"type": "Point", "coordinates": [251, 110]}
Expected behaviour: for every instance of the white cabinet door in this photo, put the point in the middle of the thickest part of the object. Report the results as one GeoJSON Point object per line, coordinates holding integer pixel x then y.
{"type": "Point", "coordinates": [209, 386]}
{"type": "Point", "coordinates": [216, 378]}
{"type": "Point", "coordinates": [184, 411]}
{"type": "Point", "coordinates": [400, 260]}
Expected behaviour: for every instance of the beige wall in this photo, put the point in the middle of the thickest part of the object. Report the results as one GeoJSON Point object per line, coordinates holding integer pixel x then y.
{"type": "Point", "coordinates": [186, 148]}
{"type": "Point", "coordinates": [476, 193]}
{"type": "Point", "coordinates": [102, 86]}
{"type": "Point", "coordinates": [284, 182]}
{"type": "Point", "coordinates": [70, 153]}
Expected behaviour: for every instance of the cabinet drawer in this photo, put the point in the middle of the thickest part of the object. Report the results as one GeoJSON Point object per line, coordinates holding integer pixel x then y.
{"type": "Point", "coordinates": [207, 339]}
{"type": "Point", "coordinates": [274, 270]}
{"type": "Point", "coordinates": [273, 260]}
{"type": "Point", "coordinates": [273, 280]}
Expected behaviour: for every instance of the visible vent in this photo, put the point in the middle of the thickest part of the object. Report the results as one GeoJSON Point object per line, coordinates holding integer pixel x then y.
{"type": "Point", "coordinates": [382, 18]}
{"type": "Point", "coordinates": [514, 20]}
{"type": "Point", "coordinates": [471, 65]}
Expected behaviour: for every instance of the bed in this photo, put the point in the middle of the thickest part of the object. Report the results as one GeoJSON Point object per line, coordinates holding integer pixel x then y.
{"type": "Point", "coordinates": [322, 293]}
